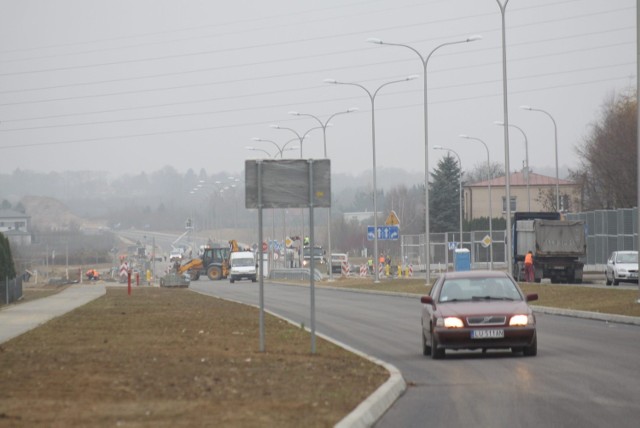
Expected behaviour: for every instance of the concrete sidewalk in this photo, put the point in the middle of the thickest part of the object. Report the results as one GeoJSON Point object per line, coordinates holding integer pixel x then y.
{"type": "Point", "coordinates": [18, 319]}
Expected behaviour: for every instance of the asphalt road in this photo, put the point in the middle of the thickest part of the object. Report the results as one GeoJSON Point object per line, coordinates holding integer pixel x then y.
{"type": "Point", "coordinates": [586, 374]}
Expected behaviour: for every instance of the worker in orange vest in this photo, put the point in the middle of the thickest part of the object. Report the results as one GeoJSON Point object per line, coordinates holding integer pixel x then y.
{"type": "Point", "coordinates": [528, 267]}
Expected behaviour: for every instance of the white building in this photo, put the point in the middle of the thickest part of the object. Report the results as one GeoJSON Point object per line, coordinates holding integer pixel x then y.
{"type": "Point", "coordinates": [15, 226]}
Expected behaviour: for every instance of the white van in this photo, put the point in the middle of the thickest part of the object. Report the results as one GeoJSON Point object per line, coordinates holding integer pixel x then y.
{"type": "Point", "coordinates": [242, 264]}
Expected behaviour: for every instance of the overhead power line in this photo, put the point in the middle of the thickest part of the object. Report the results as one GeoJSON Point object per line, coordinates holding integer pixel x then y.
{"type": "Point", "coordinates": [240, 125]}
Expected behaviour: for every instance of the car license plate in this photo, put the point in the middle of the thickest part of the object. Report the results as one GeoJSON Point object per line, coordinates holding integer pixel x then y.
{"type": "Point", "coordinates": [487, 334]}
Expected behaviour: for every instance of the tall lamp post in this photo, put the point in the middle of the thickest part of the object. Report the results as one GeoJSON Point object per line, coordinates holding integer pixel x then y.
{"type": "Point", "coordinates": [459, 183]}
{"type": "Point", "coordinates": [372, 97]}
{"type": "Point", "coordinates": [324, 138]}
{"type": "Point", "coordinates": [425, 62]}
{"type": "Point", "coordinates": [490, 200]}
{"type": "Point", "coordinates": [526, 160]}
{"type": "Point", "coordinates": [505, 111]}
{"type": "Point", "coordinates": [555, 137]}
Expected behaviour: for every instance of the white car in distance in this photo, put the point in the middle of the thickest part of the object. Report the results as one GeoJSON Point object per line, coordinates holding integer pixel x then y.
{"type": "Point", "coordinates": [622, 266]}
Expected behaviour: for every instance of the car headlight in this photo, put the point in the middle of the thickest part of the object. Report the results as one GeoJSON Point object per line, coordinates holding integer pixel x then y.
{"type": "Point", "coordinates": [622, 270]}
{"type": "Point", "coordinates": [521, 320]}
{"type": "Point", "coordinates": [450, 322]}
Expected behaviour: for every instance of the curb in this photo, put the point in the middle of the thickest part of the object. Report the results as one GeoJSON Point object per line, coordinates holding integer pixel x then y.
{"type": "Point", "coordinates": [375, 405]}
{"type": "Point", "coordinates": [598, 316]}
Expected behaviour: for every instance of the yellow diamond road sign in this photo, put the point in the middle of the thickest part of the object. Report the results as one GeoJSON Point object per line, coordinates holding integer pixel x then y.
{"type": "Point", "coordinates": [486, 241]}
{"type": "Point", "coordinates": [392, 220]}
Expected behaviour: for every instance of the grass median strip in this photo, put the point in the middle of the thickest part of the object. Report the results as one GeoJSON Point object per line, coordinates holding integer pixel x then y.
{"type": "Point", "coordinates": [610, 300]}
{"type": "Point", "coordinates": [171, 357]}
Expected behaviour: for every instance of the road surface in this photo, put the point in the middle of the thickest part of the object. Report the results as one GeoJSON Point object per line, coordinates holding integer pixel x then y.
{"type": "Point", "coordinates": [586, 374]}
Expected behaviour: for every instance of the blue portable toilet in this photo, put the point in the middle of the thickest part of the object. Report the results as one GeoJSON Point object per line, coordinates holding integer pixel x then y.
{"type": "Point", "coordinates": [462, 259]}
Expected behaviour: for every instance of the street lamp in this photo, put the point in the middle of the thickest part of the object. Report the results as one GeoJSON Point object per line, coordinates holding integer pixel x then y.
{"type": "Point", "coordinates": [256, 149]}
{"type": "Point", "coordinates": [275, 155]}
{"type": "Point", "coordinates": [372, 97]}
{"type": "Point", "coordinates": [324, 138]}
{"type": "Point", "coordinates": [324, 124]}
{"type": "Point", "coordinates": [300, 138]}
{"type": "Point", "coordinates": [459, 183]}
{"type": "Point", "coordinates": [555, 135]}
{"type": "Point", "coordinates": [526, 160]}
{"type": "Point", "coordinates": [505, 112]}
{"type": "Point", "coordinates": [280, 148]}
{"type": "Point", "coordinates": [425, 61]}
{"type": "Point", "coordinates": [490, 200]}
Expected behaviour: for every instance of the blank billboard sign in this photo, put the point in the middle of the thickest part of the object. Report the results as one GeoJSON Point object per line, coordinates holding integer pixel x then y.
{"type": "Point", "coordinates": [288, 183]}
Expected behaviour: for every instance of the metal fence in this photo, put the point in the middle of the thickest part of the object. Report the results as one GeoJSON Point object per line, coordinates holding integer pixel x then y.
{"type": "Point", "coordinates": [442, 246]}
{"type": "Point", "coordinates": [606, 230]}
{"type": "Point", "coordinates": [10, 290]}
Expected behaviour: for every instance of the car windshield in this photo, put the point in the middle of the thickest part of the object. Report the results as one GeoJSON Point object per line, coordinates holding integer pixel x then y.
{"type": "Point", "coordinates": [242, 262]}
{"type": "Point", "coordinates": [317, 252]}
{"type": "Point", "coordinates": [478, 289]}
{"type": "Point", "coordinates": [627, 258]}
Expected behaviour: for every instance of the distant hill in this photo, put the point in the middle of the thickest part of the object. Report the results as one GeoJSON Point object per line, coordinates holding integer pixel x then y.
{"type": "Point", "coordinates": [49, 214]}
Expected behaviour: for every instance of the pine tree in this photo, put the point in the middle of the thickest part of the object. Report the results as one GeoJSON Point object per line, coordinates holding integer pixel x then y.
{"type": "Point", "coordinates": [7, 267]}
{"type": "Point", "coordinates": [444, 196]}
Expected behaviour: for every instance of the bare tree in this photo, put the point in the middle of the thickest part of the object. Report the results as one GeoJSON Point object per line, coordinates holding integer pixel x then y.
{"type": "Point", "coordinates": [608, 167]}
{"type": "Point", "coordinates": [481, 172]}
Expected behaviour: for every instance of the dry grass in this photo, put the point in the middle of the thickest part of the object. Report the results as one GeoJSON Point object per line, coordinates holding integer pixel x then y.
{"type": "Point", "coordinates": [169, 357]}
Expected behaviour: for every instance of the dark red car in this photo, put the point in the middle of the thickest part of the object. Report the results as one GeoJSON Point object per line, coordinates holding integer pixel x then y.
{"type": "Point", "coordinates": [477, 310]}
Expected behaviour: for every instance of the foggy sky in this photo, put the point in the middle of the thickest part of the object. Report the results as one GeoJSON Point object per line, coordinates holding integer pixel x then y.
{"type": "Point", "coordinates": [128, 86]}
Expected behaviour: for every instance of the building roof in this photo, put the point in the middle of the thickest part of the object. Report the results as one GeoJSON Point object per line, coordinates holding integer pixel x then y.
{"type": "Point", "coordinates": [12, 214]}
{"type": "Point", "coordinates": [519, 179]}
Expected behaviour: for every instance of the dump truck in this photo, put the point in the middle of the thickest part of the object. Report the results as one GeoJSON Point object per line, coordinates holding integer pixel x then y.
{"type": "Point", "coordinates": [557, 246]}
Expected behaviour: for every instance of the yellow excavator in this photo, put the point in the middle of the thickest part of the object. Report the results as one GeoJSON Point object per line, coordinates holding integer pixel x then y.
{"type": "Point", "coordinates": [214, 262]}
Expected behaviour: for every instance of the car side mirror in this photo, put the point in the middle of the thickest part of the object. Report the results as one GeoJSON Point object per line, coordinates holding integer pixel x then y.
{"type": "Point", "coordinates": [532, 297]}
{"type": "Point", "coordinates": [427, 300]}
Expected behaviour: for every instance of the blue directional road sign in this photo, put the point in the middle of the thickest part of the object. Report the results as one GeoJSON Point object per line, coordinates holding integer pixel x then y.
{"type": "Point", "coordinates": [385, 233]}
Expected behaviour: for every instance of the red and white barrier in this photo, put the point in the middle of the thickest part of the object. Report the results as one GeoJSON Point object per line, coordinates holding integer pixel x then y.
{"type": "Point", "coordinates": [363, 270]}
{"type": "Point", "coordinates": [345, 268]}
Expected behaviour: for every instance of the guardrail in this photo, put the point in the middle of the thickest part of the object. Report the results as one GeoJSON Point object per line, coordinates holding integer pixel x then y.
{"type": "Point", "coordinates": [294, 274]}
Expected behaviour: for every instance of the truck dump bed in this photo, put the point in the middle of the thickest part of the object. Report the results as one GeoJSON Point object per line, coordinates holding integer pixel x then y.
{"type": "Point", "coordinates": [551, 238]}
